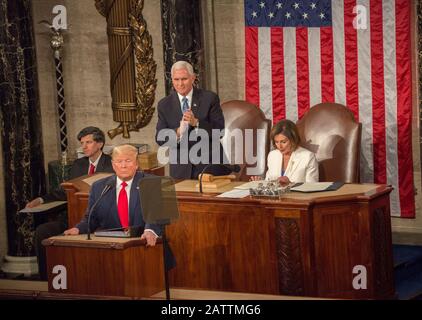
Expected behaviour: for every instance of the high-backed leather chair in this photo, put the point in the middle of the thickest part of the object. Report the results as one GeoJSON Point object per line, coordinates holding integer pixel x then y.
{"type": "Point", "coordinates": [240, 115]}
{"type": "Point", "coordinates": [330, 130]}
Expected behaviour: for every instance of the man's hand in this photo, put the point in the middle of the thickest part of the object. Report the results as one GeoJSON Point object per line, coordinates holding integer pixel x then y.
{"type": "Point", "coordinates": [189, 117]}
{"type": "Point", "coordinates": [150, 237]}
{"type": "Point", "coordinates": [182, 128]}
{"type": "Point", "coordinates": [255, 178]}
{"type": "Point", "coordinates": [33, 203]}
{"type": "Point", "coordinates": [284, 181]}
{"type": "Point", "coordinates": [71, 232]}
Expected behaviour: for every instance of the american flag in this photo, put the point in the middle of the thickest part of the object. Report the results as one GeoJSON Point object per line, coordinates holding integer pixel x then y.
{"type": "Point", "coordinates": [353, 52]}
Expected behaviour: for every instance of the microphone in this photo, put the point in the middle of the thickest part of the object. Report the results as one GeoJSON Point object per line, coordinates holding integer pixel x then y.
{"type": "Point", "coordinates": [107, 187]}
{"type": "Point", "coordinates": [230, 167]}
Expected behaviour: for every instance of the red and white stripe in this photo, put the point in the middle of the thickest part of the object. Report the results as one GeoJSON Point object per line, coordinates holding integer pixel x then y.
{"type": "Point", "coordinates": [288, 70]}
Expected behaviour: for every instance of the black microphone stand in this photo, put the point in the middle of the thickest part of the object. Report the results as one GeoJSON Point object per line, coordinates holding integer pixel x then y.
{"type": "Point", "coordinates": [166, 273]}
{"type": "Point", "coordinates": [200, 176]}
{"type": "Point", "coordinates": [106, 188]}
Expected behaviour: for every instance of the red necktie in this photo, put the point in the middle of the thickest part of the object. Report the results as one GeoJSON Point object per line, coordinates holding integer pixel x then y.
{"type": "Point", "coordinates": [91, 170]}
{"type": "Point", "coordinates": [122, 206]}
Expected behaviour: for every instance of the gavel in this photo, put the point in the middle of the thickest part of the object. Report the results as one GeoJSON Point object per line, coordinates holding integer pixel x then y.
{"type": "Point", "coordinates": [206, 177]}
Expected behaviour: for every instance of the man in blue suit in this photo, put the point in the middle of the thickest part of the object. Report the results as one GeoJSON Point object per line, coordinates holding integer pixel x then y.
{"type": "Point", "coordinates": [120, 204]}
{"type": "Point", "coordinates": [182, 114]}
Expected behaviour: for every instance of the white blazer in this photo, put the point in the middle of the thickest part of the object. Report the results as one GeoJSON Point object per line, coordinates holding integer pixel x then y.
{"type": "Point", "coordinates": [302, 167]}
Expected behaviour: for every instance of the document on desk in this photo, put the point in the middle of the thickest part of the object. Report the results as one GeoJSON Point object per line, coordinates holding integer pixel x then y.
{"type": "Point", "coordinates": [316, 186]}
{"type": "Point", "coordinates": [43, 207]}
{"type": "Point", "coordinates": [252, 184]}
{"type": "Point", "coordinates": [234, 194]}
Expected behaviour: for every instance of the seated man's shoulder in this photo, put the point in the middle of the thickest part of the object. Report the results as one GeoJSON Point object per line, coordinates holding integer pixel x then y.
{"type": "Point", "coordinates": [80, 161]}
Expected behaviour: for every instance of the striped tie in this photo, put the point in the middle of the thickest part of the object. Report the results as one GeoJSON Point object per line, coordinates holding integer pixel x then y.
{"type": "Point", "coordinates": [185, 104]}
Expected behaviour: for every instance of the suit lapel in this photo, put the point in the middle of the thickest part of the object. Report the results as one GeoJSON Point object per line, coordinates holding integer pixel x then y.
{"type": "Point", "coordinates": [176, 106]}
{"type": "Point", "coordinates": [134, 198]}
{"type": "Point", "coordinates": [293, 162]}
{"type": "Point", "coordinates": [196, 98]}
{"type": "Point", "coordinates": [100, 165]}
{"type": "Point", "coordinates": [84, 168]}
{"type": "Point", "coordinates": [110, 201]}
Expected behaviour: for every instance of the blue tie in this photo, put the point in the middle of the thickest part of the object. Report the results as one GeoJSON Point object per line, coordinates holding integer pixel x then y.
{"type": "Point", "coordinates": [185, 105]}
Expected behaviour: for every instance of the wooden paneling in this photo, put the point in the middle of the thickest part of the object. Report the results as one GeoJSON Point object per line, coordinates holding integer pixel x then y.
{"type": "Point", "coordinates": [224, 247]}
{"type": "Point", "coordinates": [341, 242]}
{"type": "Point", "coordinates": [134, 271]}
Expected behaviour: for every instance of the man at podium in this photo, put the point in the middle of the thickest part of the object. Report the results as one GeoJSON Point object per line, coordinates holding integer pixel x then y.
{"type": "Point", "coordinates": [114, 201]}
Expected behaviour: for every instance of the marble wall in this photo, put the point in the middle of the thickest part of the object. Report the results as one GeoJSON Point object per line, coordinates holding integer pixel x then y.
{"type": "Point", "coordinates": [86, 73]}
{"type": "Point", "coordinates": [3, 224]}
{"type": "Point", "coordinates": [182, 39]}
{"type": "Point", "coordinates": [223, 28]}
{"type": "Point", "coordinates": [23, 165]}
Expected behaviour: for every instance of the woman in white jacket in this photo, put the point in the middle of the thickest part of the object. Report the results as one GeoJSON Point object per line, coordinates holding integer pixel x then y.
{"type": "Point", "coordinates": [289, 162]}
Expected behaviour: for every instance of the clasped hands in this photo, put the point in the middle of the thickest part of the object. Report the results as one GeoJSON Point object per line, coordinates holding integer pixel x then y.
{"type": "Point", "coordinates": [188, 119]}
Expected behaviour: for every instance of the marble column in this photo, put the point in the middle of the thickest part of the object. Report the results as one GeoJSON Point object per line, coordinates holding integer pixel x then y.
{"type": "Point", "coordinates": [182, 36]}
{"type": "Point", "coordinates": [24, 175]}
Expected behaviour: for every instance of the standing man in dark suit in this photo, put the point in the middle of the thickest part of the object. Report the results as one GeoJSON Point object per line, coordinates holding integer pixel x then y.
{"type": "Point", "coordinates": [92, 140]}
{"type": "Point", "coordinates": [183, 113]}
{"type": "Point", "coordinates": [120, 206]}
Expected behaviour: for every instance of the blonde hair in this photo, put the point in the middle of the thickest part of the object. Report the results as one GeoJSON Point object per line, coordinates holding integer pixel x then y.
{"type": "Point", "coordinates": [124, 149]}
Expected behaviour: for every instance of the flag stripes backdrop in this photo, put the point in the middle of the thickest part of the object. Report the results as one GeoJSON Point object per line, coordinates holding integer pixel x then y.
{"type": "Point", "coordinates": [353, 52]}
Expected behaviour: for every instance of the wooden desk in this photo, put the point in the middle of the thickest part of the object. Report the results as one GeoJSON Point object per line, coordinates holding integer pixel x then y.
{"type": "Point", "coordinates": [106, 266]}
{"type": "Point", "coordinates": [302, 244]}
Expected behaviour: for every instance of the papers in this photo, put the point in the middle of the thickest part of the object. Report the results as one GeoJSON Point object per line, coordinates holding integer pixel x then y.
{"type": "Point", "coordinates": [252, 184]}
{"type": "Point", "coordinates": [96, 177]}
{"type": "Point", "coordinates": [235, 194]}
{"type": "Point", "coordinates": [44, 207]}
{"type": "Point", "coordinates": [130, 232]}
{"type": "Point", "coordinates": [299, 187]}
{"type": "Point", "coordinates": [316, 186]}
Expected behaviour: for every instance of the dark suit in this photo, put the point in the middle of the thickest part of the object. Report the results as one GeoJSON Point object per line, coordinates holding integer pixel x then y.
{"type": "Point", "coordinates": [206, 108]}
{"type": "Point", "coordinates": [80, 168]}
{"type": "Point", "coordinates": [105, 214]}
{"type": "Point", "coordinates": [50, 229]}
